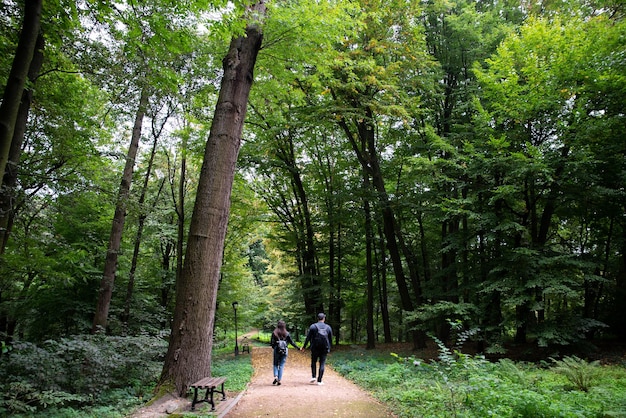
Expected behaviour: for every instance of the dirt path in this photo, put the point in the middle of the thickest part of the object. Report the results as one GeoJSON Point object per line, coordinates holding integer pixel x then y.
{"type": "Point", "coordinates": [338, 397]}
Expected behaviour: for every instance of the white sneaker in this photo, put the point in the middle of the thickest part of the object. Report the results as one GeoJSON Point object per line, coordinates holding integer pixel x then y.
{"type": "Point", "coordinates": [320, 383]}
{"type": "Point", "coordinates": [313, 379]}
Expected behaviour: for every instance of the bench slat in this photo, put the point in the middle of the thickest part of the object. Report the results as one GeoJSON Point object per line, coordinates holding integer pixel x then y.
{"type": "Point", "coordinates": [208, 382]}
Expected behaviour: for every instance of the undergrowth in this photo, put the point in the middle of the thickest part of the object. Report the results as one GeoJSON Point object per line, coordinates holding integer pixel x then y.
{"type": "Point", "coordinates": [462, 385]}
{"type": "Point", "coordinates": [87, 375]}
{"type": "Point", "coordinates": [94, 375]}
{"type": "Point", "coordinates": [238, 369]}
{"type": "Point", "coordinates": [99, 376]}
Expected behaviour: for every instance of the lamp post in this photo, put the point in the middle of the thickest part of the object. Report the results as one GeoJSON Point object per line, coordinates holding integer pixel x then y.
{"type": "Point", "coordinates": [235, 304]}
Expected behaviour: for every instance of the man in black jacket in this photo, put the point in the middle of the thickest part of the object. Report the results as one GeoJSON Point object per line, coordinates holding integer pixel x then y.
{"type": "Point", "coordinates": [320, 336]}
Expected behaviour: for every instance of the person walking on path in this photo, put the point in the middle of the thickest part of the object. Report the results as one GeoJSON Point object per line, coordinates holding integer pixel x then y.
{"type": "Point", "coordinates": [280, 341]}
{"type": "Point", "coordinates": [320, 336]}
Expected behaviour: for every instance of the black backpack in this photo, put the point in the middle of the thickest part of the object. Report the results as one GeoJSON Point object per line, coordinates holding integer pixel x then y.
{"type": "Point", "coordinates": [320, 339]}
{"type": "Point", "coordinates": [282, 347]}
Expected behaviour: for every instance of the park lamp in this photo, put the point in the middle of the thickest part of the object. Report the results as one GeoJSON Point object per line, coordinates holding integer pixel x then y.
{"type": "Point", "coordinates": [235, 305]}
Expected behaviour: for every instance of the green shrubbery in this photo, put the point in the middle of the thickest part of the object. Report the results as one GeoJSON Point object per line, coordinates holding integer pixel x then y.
{"type": "Point", "coordinates": [460, 385]}
{"type": "Point", "coordinates": [66, 376]}
{"type": "Point", "coordinates": [100, 376]}
{"type": "Point", "coordinates": [94, 376]}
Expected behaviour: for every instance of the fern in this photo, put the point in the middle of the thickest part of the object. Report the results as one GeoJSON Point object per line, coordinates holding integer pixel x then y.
{"type": "Point", "coordinates": [579, 372]}
{"type": "Point", "coordinates": [510, 371]}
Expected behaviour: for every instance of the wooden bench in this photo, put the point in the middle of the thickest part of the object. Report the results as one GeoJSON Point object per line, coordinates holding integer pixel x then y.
{"type": "Point", "coordinates": [211, 385]}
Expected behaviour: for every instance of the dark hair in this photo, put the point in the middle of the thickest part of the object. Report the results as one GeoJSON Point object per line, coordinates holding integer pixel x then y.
{"type": "Point", "coordinates": [281, 330]}
{"type": "Point", "coordinates": [320, 316]}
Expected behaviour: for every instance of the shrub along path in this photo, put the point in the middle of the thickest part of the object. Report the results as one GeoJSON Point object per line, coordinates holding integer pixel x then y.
{"type": "Point", "coordinates": [295, 397]}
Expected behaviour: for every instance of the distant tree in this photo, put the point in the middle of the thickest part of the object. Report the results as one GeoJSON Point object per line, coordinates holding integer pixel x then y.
{"type": "Point", "coordinates": [154, 66]}
{"type": "Point", "coordinates": [115, 239]}
{"type": "Point", "coordinates": [540, 94]}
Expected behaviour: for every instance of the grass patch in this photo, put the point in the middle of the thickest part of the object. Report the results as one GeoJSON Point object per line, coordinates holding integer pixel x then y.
{"type": "Point", "coordinates": [238, 369]}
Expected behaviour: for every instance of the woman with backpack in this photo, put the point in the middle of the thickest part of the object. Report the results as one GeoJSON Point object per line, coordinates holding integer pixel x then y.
{"type": "Point", "coordinates": [279, 341]}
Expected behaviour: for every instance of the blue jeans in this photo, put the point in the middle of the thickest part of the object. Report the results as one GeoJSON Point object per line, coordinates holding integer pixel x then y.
{"type": "Point", "coordinates": [279, 365]}
{"type": "Point", "coordinates": [315, 356]}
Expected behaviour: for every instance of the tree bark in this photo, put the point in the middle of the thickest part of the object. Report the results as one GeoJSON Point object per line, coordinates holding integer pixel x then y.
{"type": "Point", "coordinates": [8, 203]}
{"type": "Point", "coordinates": [189, 353]}
{"type": "Point", "coordinates": [115, 239]}
{"type": "Point", "coordinates": [17, 77]}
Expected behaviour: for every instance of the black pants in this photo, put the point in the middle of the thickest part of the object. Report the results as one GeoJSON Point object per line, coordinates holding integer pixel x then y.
{"type": "Point", "coordinates": [315, 357]}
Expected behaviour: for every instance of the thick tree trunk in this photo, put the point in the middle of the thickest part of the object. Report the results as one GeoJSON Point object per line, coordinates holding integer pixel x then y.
{"type": "Point", "coordinates": [189, 353]}
{"type": "Point", "coordinates": [17, 77]}
{"type": "Point", "coordinates": [110, 264]}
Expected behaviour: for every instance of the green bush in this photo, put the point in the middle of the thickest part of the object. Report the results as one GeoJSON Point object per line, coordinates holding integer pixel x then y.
{"type": "Point", "coordinates": [76, 372]}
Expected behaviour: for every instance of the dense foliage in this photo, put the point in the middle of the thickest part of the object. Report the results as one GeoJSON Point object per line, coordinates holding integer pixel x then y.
{"type": "Point", "coordinates": [405, 166]}
{"type": "Point", "coordinates": [94, 374]}
{"type": "Point", "coordinates": [461, 385]}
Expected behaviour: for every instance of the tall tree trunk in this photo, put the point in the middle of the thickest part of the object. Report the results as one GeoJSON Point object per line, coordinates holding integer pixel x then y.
{"type": "Point", "coordinates": [369, 271]}
{"type": "Point", "coordinates": [365, 149]}
{"type": "Point", "coordinates": [17, 77]}
{"type": "Point", "coordinates": [115, 239]}
{"type": "Point", "coordinates": [167, 285]}
{"type": "Point", "coordinates": [303, 225]}
{"type": "Point", "coordinates": [140, 224]}
{"type": "Point", "coordinates": [313, 297]}
{"type": "Point", "coordinates": [337, 288]}
{"type": "Point", "coordinates": [8, 204]}
{"type": "Point", "coordinates": [189, 353]}
{"type": "Point", "coordinates": [539, 228]}
{"type": "Point", "coordinates": [423, 248]}
{"type": "Point", "coordinates": [9, 181]}
{"type": "Point", "coordinates": [382, 288]}
{"type": "Point", "coordinates": [334, 270]}
{"type": "Point", "coordinates": [333, 296]}
{"type": "Point", "coordinates": [180, 209]}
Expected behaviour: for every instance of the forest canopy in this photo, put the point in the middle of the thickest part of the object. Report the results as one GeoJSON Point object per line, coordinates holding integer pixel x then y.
{"type": "Point", "coordinates": [402, 165]}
